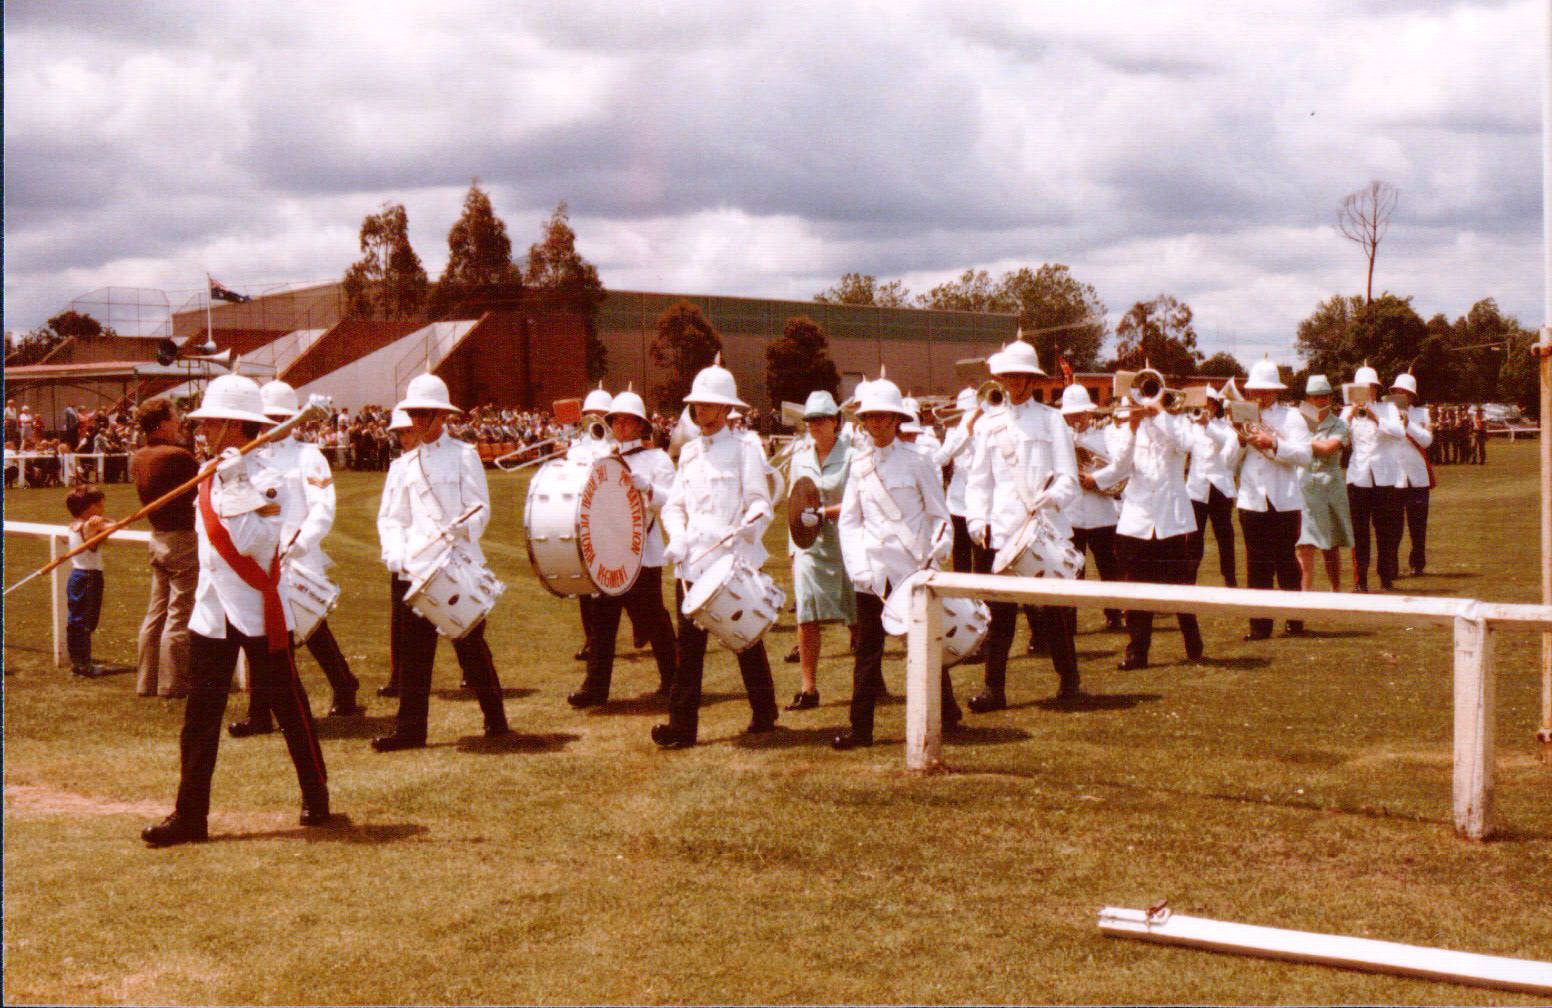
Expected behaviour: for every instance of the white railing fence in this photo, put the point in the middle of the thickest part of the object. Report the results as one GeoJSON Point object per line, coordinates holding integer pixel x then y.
{"type": "Point", "coordinates": [1473, 623]}
{"type": "Point", "coordinates": [58, 537]}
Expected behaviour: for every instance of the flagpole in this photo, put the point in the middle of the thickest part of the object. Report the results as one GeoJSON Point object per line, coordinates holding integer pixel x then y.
{"type": "Point", "coordinates": [1544, 369]}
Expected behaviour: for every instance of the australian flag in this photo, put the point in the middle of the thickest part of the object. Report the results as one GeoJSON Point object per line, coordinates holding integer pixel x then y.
{"type": "Point", "coordinates": [219, 293]}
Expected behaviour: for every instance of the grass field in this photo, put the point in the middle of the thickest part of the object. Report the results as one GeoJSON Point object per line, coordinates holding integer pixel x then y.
{"type": "Point", "coordinates": [1294, 783]}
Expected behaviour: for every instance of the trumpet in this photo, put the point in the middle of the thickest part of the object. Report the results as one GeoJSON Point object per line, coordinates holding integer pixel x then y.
{"type": "Point", "coordinates": [1147, 387]}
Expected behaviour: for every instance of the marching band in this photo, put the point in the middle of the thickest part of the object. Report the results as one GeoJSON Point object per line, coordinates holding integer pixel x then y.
{"type": "Point", "coordinates": [1014, 486]}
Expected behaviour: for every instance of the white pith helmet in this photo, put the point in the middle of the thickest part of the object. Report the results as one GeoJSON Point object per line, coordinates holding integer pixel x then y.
{"type": "Point", "coordinates": [1017, 357]}
{"type": "Point", "coordinates": [279, 400]}
{"type": "Point", "coordinates": [427, 391]}
{"type": "Point", "coordinates": [628, 403]}
{"type": "Point", "coordinates": [1405, 382]}
{"type": "Point", "coordinates": [232, 397]}
{"type": "Point", "coordinates": [1264, 378]}
{"type": "Point", "coordinates": [400, 421]}
{"type": "Point", "coordinates": [715, 385]}
{"type": "Point", "coordinates": [881, 396]}
{"type": "Point", "coordinates": [1366, 376]}
{"type": "Point", "coordinates": [597, 401]}
{"type": "Point", "coordinates": [1075, 399]}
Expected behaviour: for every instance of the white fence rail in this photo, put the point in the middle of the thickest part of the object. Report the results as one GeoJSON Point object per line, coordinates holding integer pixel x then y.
{"type": "Point", "coordinates": [58, 536]}
{"type": "Point", "coordinates": [1473, 623]}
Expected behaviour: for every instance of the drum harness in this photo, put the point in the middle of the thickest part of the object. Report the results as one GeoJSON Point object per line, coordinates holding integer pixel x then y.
{"type": "Point", "coordinates": [622, 457]}
{"type": "Point", "coordinates": [423, 490]}
{"type": "Point", "coordinates": [878, 493]}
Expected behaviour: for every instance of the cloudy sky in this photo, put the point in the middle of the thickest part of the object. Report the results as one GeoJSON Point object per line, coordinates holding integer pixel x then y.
{"type": "Point", "coordinates": [764, 149]}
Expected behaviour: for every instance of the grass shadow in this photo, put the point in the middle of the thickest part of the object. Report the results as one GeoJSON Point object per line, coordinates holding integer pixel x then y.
{"type": "Point", "coordinates": [103, 671]}
{"type": "Point", "coordinates": [1448, 575]}
{"type": "Point", "coordinates": [980, 735]}
{"type": "Point", "coordinates": [340, 830]}
{"type": "Point", "coordinates": [1235, 662]}
{"type": "Point", "coordinates": [363, 726]}
{"type": "Point", "coordinates": [1096, 702]}
{"type": "Point", "coordinates": [516, 742]}
{"type": "Point", "coordinates": [788, 738]}
{"type": "Point", "coordinates": [1336, 634]}
{"type": "Point", "coordinates": [509, 693]}
{"type": "Point", "coordinates": [645, 703]}
{"type": "Point", "coordinates": [1091, 655]}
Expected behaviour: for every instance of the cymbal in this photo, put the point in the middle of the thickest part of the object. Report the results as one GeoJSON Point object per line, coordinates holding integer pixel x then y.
{"type": "Point", "coordinates": [803, 497]}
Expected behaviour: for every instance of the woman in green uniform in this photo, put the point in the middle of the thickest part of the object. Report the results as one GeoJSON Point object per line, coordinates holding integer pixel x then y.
{"type": "Point", "coordinates": [1327, 526]}
{"type": "Point", "coordinates": [818, 576]}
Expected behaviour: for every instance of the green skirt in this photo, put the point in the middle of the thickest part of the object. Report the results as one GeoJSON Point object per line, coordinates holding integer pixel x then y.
{"type": "Point", "coordinates": [1327, 523]}
{"type": "Point", "coordinates": [820, 583]}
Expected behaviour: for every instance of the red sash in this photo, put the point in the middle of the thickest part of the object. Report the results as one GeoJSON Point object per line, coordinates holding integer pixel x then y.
{"type": "Point", "coordinates": [249, 570]}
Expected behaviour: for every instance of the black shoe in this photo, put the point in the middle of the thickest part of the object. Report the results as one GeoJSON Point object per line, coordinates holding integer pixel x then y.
{"type": "Point", "coordinates": [1417, 572]}
{"type": "Point", "coordinates": [1295, 628]}
{"type": "Point", "coordinates": [175, 829]}
{"type": "Point", "coordinates": [985, 703]}
{"type": "Point", "coordinates": [1194, 653]}
{"type": "Point", "coordinates": [792, 656]}
{"type": "Point", "coordinates": [315, 811]}
{"type": "Point", "coordinates": [1068, 697]}
{"type": "Point", "coordinates": [804, 701]}
{"type": "Point", "coordinates": [346, 706]}
{"type": "Point", "coordinates": [1115, 625]}
{"type": "Point", "coordinates": [583, 654]}
{"type": "Point", "coordinates": [396, 742]}
{"type": "Point", "coordinates": [498, 730]}
{"type": "Point", "coordinates": [1131, 664]}
{"type": "Point", "coordinates": [638, 640]}
{"type": "Point", "coordinates": [664, 689]}
{"type": "Point", "coordinates": [586, 698]}
{"type": "Point", "coordinates": [667, 738]}
{"type": "Point", "coordinates": [849, 740]}
{"type": "Point", "coordinates": [463, 685]}
{"type": "Point", "coordinates": [1387, 585]}
{"type": "Point", "coordinates": [977, 658]}
{"type": "Point", "coordinates": [1038, 649]}
{"type": "Point", "coordinates": [84, 671]}
{"type": "Point", "coordinates": [760, 726]}
{"type": "Point", "coordinates": [1256, 635]}
{"type": "Point", "coordinates": [387, 691]}
{"type": "Point", "coordinates": [249, 726]}
{"type": "Point", "coordinates": [1362, 587]}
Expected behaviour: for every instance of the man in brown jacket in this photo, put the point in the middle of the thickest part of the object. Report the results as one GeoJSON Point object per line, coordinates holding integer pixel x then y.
{"type": "Point", "coordinates": [161, 465]}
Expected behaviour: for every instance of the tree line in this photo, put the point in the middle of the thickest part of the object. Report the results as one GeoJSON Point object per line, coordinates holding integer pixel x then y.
{"type": "Point", "coordinates": [390, 282]}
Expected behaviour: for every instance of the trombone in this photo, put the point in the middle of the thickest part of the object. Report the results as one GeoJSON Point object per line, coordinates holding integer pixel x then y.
{"type": "Point", "coordinates": [562, 439]}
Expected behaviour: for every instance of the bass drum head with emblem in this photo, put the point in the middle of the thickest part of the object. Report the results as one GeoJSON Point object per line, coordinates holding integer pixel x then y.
{"type": "Point", "coordinates": [586, 527]}
{"type": "Point", "coordinates": [804, 495]}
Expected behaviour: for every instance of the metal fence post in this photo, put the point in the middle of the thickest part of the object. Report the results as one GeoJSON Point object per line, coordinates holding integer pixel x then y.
{"type": "Point", "coordinates": [1475, 711]}
{"type": "Point", "coordinates": [923, 670]}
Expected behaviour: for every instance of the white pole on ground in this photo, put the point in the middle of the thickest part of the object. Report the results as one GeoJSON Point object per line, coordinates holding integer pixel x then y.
{"type": "Point", "coordinates": [923, 671]}
{"type": "Point", "coordinates": [60, 604]}
{"type": "Point", "coordinates": [1544, 362]}
{"type": "Point", "coordinates": [1475, 713]}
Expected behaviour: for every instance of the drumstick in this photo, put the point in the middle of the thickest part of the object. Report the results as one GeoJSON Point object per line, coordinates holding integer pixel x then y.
{"type": "Point", "coordinates": [316, 406]}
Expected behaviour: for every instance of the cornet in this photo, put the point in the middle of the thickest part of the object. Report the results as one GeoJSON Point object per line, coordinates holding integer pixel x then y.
{"type": "Point", "coordinates": [991, 395]}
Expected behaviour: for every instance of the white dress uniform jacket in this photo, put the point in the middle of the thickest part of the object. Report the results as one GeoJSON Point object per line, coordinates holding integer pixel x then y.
{"type": "Point", "coordinates": [1276, 483]}
{"type": "Point", "coordinates": [438, 483]}
{"type": "Point", "coordinates": [893, 516]}
{"type": "Point", "coordinates": [720, 485]}
{"type": "Point", "coordinates": [1410, 460]}
{"type": "Point", "coordinates": [389, 534]}
{"type": "Point", "coordinates": [953, 450]}
{"type": "Point", "coordinates": [655, 465]}
{"type": "Point", "coordinates": [1090, 510]}
{"type": "Point", "coordinates": [1215, 451]}
{"type": "Point", "coordinates": [1014, 452]}
{"type": "Point", "coordinates": [1374, 461]}
{"type": "Point", "coordinates": [1155, 504]}
{"type": "Point", "coordinates": [308, 511]}
{"type": "Point", "coordinates": [221, 595]}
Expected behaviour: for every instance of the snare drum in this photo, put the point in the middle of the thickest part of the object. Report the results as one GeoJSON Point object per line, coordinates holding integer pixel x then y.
{"type": "Point", "coordinates": [455, 594]}
{"type": "Point", "coordinates": [312, 597]}
{"type": "Point", "coordinates": [734, 603]}
{"type": "Point", "coordinates": [965, 621]}
{"type": "Point", "coordinates": [586, 527]}
{"type": "Point", "coordinates": [1039, 551]}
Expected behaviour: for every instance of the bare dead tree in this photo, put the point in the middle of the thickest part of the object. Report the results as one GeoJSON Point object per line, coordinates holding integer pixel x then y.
{"type": "Point", "coordinates": [1364, 217]}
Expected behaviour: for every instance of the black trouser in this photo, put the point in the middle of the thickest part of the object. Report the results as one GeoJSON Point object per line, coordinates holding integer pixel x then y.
{"type": "Point", "coordinates": [684, 702]}
{"type": "Point", "coordinates": [644, 602]}
{"type": "Point", "coordinates": [867, 675]}
{"type": "Point", "coordinates": [211, 664]}
{"type": "Point", "coordinates": [1218, 509]}
{"type": "Point", "coordinates": [981, 560]}
{"type": "Point", "coordinates": [1379, 506]}
{"type": "Point", "coordinates": [326, 652]}
{"type": "Point", "coordinates": [1480, 441]}
{"type": "Point", "coordinates": [1414, 503]}
{"type": "Point", "coordinates": [1270, 562]}
{"type": "Point", "coordinates": [585, 611]}
{"type": "Point", "coordinates": [397, 611]}
{"type": "Point", "coordinates": [1157, 561]}
{"type": "Point", "coordinates": [1101, 542]}
{"type": "Point", "coordinates": [963, 547]}
{"type": "Point", "coordinates": [479, 670]}
{"type": "Point", "coordinates": [1053, 626]}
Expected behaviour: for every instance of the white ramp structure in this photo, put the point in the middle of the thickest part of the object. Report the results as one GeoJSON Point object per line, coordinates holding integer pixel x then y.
{"type": "Point", "coordinates": [378, 378]}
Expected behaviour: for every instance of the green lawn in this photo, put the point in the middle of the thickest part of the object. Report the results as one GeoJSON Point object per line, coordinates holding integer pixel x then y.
{"type": "Point", "coordinates": [1294, 783]}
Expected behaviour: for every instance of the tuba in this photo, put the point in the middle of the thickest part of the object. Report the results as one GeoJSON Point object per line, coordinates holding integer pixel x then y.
{"type": "Point", "coordinates": [1089, 461]}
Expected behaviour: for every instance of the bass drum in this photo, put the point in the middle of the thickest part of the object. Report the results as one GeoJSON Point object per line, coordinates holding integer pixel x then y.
{"type": "Point", "coordinates": [965, 621]}
{"type": "Point", "coordinates": [734, 603]}
{"type": "Point", "coordinates": [586, 527]}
